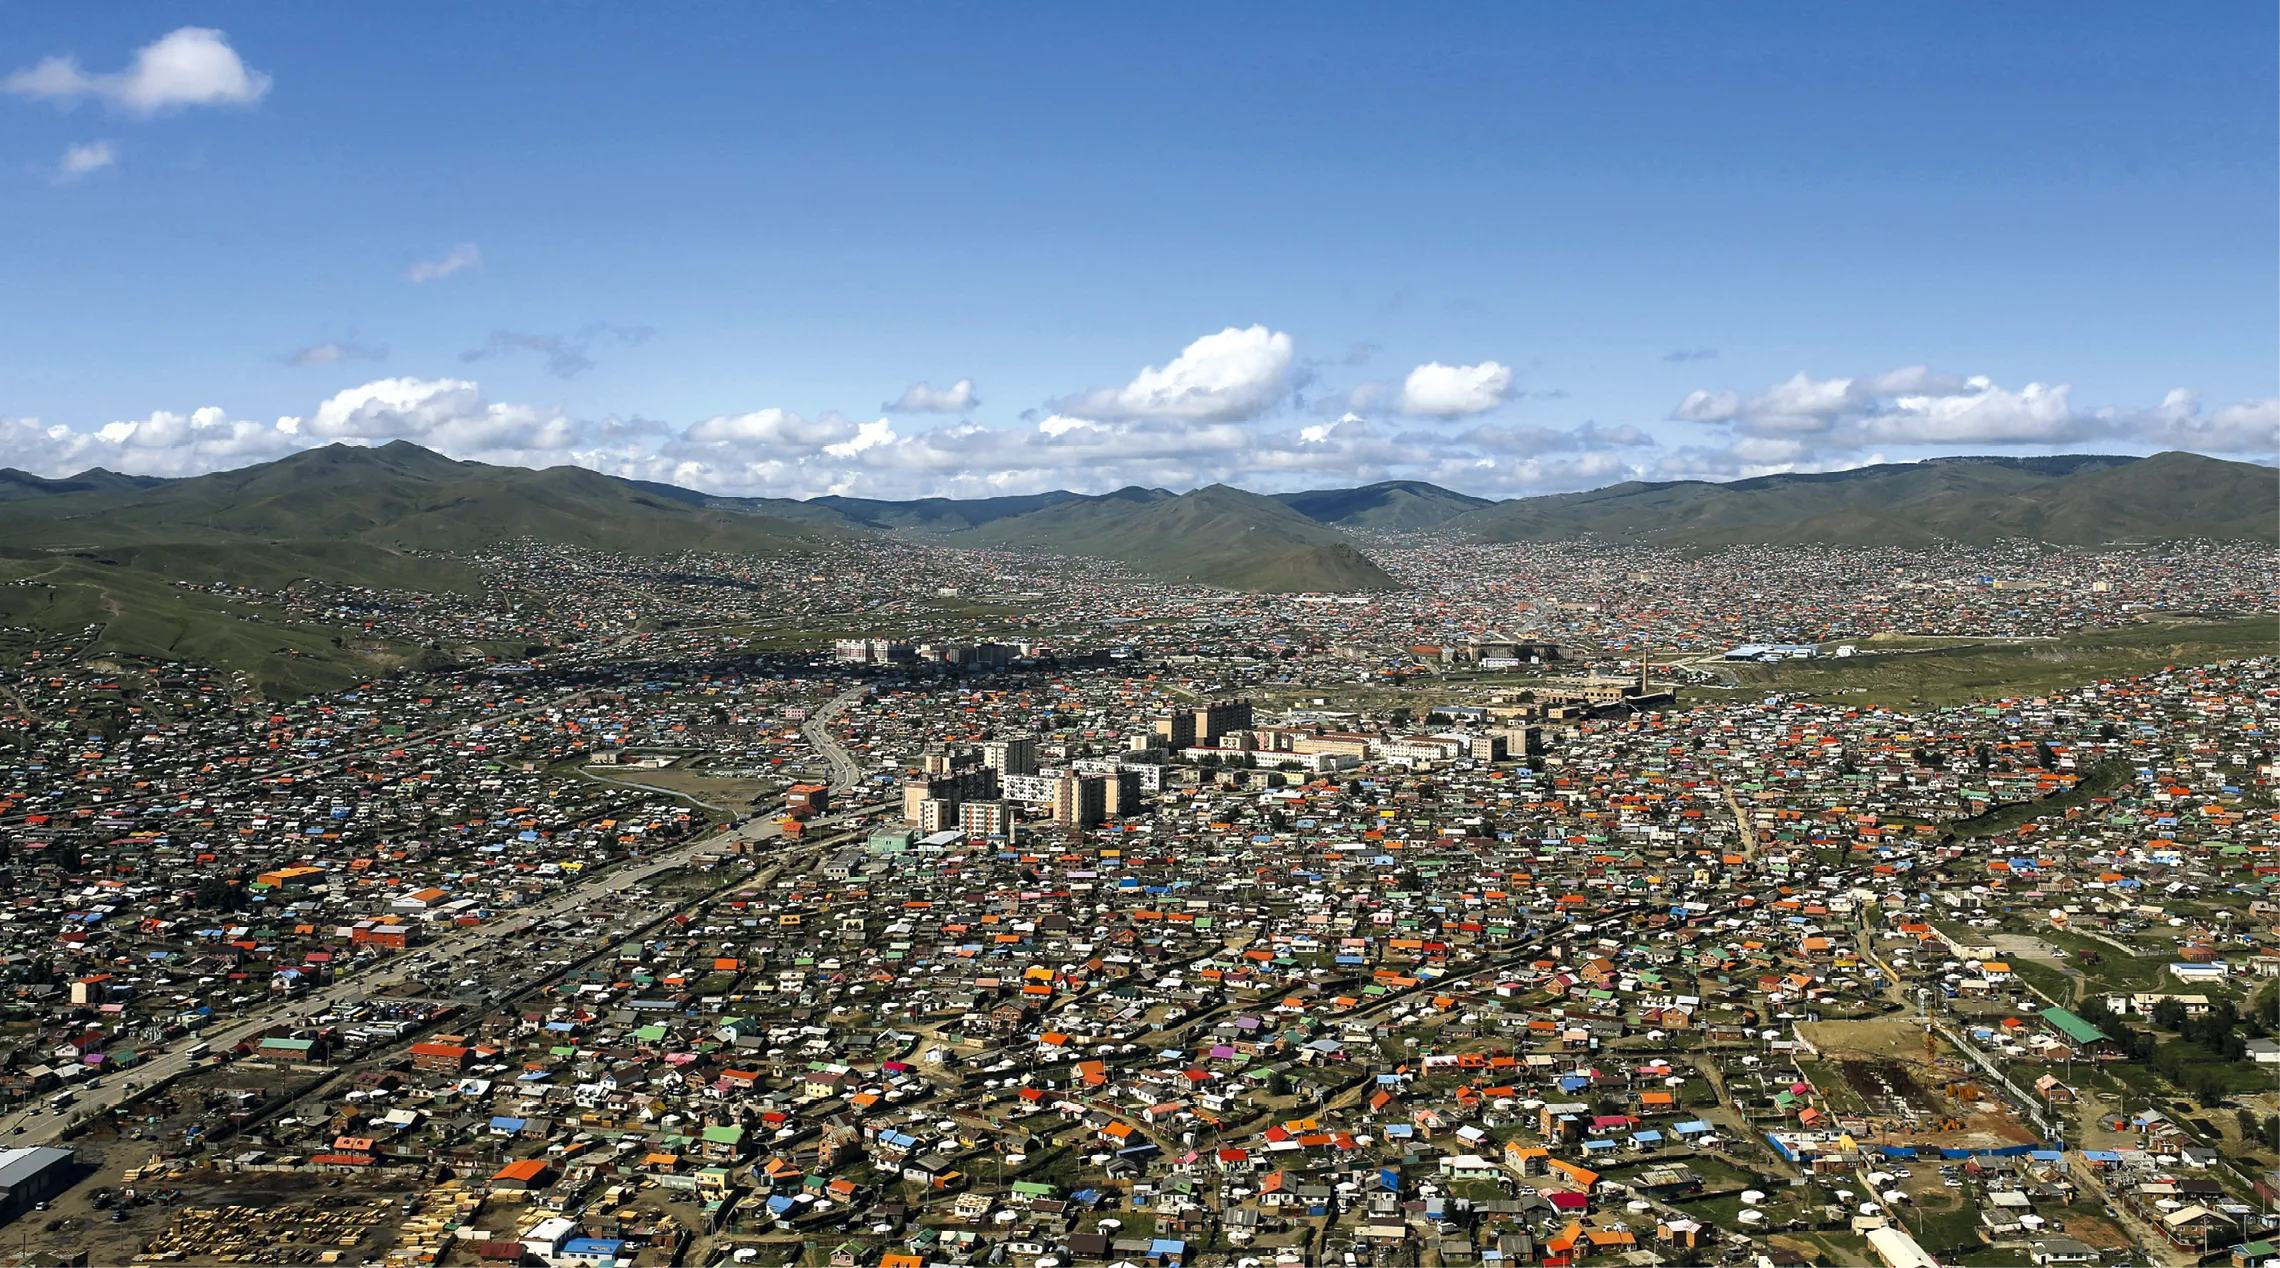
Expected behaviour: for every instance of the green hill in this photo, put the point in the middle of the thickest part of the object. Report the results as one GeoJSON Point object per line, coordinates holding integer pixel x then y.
{"type": "Point", "coordinates": [106, 552]}
{"type": "Point", "coordinates": [23, 484]}
{"type": "Point", "coordinates": [2075, 499]}
{"type": "Point", "coordinates": [1215, 536]}
{"type": "Point", "coordinates": [392, 498]}
{"type": "Point", "coordinates": [2167, 496]}
{"type": "Point", "coordinates": [919, 516]}
{"type": "Point", "coordinates": [1393, 505]}
{"type": "Point", "coordinates": [101, 608]}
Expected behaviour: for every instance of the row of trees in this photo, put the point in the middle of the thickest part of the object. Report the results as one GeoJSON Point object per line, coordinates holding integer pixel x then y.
{"type": "Point", "coordinates": [2193, 1064]}
{"type": "Point", "coordinates": [2261, 1133]}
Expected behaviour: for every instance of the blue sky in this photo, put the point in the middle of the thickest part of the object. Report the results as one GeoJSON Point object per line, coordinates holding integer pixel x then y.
{"type": "Point", "coordinates": [1511, 248]}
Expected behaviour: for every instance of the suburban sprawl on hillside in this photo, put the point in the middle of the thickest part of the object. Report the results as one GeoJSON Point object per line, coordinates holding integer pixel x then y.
{"type": "Point", "coordinates": [797, 884]}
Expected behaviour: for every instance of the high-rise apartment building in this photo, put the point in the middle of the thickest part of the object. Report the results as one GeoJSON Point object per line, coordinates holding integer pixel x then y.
{"type": "Point", "coordinates": [974, 783]}
{"type": "Point", "coordinates": [986, 818]}
{"type": "Point", "coordinates": [1016, 756]}
{"type": "Point", "coordinates": [1177, 730]}
{"type": "Point", "coordinates": [1218, 718]}
{"type": "Point", "coordinates": [1080, 801]}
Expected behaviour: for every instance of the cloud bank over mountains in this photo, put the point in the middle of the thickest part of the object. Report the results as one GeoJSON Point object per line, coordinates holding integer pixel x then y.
{"type": "Point", "coordinates": [1230, 406]}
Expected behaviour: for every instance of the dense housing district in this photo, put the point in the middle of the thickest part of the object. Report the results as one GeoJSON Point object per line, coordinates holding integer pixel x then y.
{"type": "Point", "coordinates": [891, 906]}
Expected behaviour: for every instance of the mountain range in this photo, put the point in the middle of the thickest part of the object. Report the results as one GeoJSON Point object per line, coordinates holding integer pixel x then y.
{"type": "Point", "coordinates": [392, 517]}
{"type": "Point", "coordinates": [2068, 500]}
{"type": "Point", "coordinates": [399, 497]}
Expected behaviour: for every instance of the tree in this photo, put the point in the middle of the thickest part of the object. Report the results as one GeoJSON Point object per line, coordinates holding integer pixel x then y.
{"type": "Point", "coordinates": [217, 894]}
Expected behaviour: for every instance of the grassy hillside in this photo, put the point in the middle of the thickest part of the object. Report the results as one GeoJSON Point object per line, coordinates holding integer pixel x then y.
{"type": "Point", "coordinates": [397, 496]}
{"type": "Point", "coordinates": [950, 515]}
{"type": "Point", "coordinates": [919, 516]}
{"type": "Point", "coordinates": [2076, 499]}
{"type": "Point", "coordinates": [275, 565]}
{"type": "Point", "coordinates": [23, 484]}
{"type": "Point", "coordinates": [103, 609]}
{"type": "Point", "coordinates": [2168, 495]}
{"type": "Point", "coordinates": [1392, 505]}
{"type": "Point", "coordinates": [1215, 536]}
{"type": "Point", "coordinates": [102, 554]}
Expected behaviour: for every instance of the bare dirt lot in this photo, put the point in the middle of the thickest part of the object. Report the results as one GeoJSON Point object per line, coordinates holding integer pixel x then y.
{"type": "Point", "coordinates": [1884, 1067]}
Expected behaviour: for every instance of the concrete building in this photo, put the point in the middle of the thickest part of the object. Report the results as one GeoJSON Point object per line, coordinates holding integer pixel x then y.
{"type": "Point", "coordinates": [1176, 730]}
{"type": "Point", "coordinates": [972, 783]}
{"type": "Point", "coordinates": [987, 818]}
{"type": "Point", "coordinates": [1032, 789]}
{"type": "Point", "coordinates": [1220, 717]}
{"type": "Point", "coordinates": [1016, 756]}
{"type": "Point", "coordinates": [1120, 795]}
{"type": "Point", "coordinates": [874, 651]}
{"type": "Point", "coordinates": [1080, 801]}
{"type": "Point", "coordinates": [937, 814]}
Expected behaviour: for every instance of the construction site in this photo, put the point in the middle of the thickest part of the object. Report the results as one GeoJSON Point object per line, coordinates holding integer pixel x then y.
{"type": "Point", "coordinates": [1901, 1084]}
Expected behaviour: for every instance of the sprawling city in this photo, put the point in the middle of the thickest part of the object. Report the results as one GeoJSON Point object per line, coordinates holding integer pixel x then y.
{"type": "Point", "coordinates": [910, 904]}
{"type": "Point", "coordinates": [1462, 638]}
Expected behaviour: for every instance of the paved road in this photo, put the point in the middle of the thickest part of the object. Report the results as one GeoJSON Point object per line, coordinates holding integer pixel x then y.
{"type": "Point", "coordinates": [39, 1126]}
{"type": "Point", "coordinates": [35, 1128]}
{"type": "Point", "coordinates": [817, 729]}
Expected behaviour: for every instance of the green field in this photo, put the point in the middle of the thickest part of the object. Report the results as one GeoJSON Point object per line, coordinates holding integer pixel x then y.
{"type": "Point", "coordinates": [2098, 781]}
{"type": "Point", "coordinates": [1967, 672]}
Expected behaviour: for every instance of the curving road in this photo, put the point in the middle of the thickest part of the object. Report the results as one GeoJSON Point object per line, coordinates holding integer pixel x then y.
{"type": "Point", "coordinates": [817, 730]}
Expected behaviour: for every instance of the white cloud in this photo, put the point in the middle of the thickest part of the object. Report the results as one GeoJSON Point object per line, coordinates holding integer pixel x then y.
{"type": "Point", "coordinates": [1909, 406]}
{"type": "Point", "coordinates": [463, 256]}
{"type": "Point", "coordinates": [165, 443]}
{"type": "Point", "coordinates": [1234, 375]}
{"type": "Point", "coordinates": [2244, 427]}
{"type": "Point", "coordinates": [870, 435]}
{"type": "Point", "coordinates": [924, 398]}
{"type": "Point", "coordinates": [777, 427]}
{"type": "Point", "coordinates": [446, 414]}
{"type": "Point", "coordinates": [777, 451]}
{"type": "Point", "coordinates": [79, 160]}
{"type": "Point", "coordinates": [1433, 390]}
{"type": "Point", "coordinates": [192, 66]}
{"type": "Point", "coordinates": [1200, 419]}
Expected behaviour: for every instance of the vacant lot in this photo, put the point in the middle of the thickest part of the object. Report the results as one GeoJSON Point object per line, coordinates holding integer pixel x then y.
{"type": "Point", "coordinates": [1993, 670]}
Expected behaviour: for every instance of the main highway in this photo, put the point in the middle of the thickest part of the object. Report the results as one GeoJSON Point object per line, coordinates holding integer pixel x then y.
{"type": "Point", "coordinates": [42, 1125]}
{"type": "Point", "coordinates": [817, 730]}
